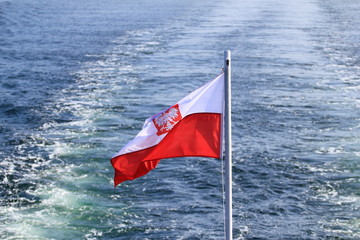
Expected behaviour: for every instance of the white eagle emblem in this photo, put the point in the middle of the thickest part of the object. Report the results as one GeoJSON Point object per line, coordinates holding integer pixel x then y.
{"type": "Point", "coordinates": [167, 120]}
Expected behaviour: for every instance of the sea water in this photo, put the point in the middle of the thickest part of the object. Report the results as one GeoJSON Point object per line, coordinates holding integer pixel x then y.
{"type": "Point", "coordinates": [78, 78]}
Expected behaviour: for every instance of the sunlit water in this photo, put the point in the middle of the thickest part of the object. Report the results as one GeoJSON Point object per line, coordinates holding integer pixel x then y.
{"type": "Point", "coordinates": [78, 78]}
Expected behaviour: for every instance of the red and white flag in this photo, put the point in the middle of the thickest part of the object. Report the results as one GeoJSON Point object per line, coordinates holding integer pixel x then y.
{"type": "Point", "coordinates": [191, 127]}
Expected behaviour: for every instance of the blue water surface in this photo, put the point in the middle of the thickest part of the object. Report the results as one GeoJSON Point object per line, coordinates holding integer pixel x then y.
{"type": "Point", "coordinates": [78, 78]}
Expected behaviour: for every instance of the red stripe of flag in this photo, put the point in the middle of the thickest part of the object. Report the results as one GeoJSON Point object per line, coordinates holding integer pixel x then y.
{"type": "Point", "coordinates": [195, 135]}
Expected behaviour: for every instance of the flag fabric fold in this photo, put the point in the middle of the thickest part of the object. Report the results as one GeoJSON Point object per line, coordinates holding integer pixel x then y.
{"type": "Point", "coordinates": [191, 127]}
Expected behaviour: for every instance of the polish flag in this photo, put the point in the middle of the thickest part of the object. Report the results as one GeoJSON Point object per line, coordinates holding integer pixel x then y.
{"type": "Point", "coordinates": [191, 127]}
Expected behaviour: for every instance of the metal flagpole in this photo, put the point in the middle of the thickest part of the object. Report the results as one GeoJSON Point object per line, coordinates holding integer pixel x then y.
{"type": "Point", "coordinates": [228, 150]}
